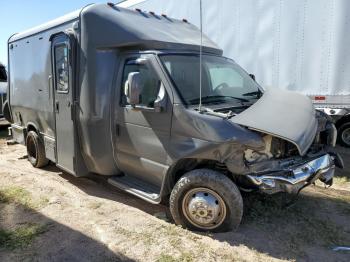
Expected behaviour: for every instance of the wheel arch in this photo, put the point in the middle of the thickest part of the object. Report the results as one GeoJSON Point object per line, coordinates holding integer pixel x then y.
{"type": "Point", "coordinates": [30, 127]}
{"type": "Point", "coordinates": [182, 166]}
{"type": "Point", "coordinates": [343, 120]}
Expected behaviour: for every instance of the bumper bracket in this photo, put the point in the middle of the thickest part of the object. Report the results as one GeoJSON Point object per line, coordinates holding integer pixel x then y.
{"type": "Point", "coordinates": [295, 179]}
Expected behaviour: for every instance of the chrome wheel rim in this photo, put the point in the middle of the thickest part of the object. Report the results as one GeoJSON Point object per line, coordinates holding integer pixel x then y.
{"type": "Point", "coordinates": [345, 136]}
{"type": "Point", "coordinates": [204, 208]}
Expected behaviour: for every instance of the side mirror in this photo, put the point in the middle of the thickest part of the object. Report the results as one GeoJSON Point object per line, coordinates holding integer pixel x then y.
{"type": "Point", "coordinates": [133, 88]}
{"type": "Point", "coordinates": [160, 103]}
{"type": "Point", "coordinates": [252, 76]}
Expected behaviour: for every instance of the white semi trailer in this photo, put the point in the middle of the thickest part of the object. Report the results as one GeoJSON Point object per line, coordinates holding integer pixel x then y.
{"type": "Point", "coordinates": [300, 45]}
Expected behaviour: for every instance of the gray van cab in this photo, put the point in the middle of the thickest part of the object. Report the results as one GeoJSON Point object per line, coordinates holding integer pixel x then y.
{"type": "Point", "coordinates": [115, 92]}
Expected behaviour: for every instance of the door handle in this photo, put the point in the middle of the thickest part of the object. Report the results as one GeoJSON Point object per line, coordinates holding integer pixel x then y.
{"type": "Point", "coordinates": [117, 129]}
{"type": "Point", "coordinates": [57, 105]}
{"type": "Point", "coordinates": [49, 85]}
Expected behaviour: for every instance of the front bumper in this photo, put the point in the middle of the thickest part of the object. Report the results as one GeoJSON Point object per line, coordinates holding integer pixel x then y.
{"type": "Point", "coordinates": [294, 179]}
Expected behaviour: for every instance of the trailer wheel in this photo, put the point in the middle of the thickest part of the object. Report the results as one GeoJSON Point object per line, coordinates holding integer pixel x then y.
{"type": "Point", "coordinates": [36, 150]}
{"type": "Point", "coordinates": [344, 134]}
{"type": "Point", "coordinates": [206, 200]}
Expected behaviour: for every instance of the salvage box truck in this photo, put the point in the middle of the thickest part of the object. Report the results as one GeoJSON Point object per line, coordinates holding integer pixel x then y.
{"type": "Point", "coordinates": [301, 45]}
{"type": "Point", "coordinates": [115, 92]}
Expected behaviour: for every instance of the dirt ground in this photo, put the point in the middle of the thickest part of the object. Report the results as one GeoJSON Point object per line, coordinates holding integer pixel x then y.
{"type": "Point", "coordinates": [47, 215]}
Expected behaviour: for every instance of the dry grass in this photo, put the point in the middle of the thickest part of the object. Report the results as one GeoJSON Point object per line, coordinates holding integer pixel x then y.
{"type": "Point", "coordinates": [94, 205]}
{"type": "Point", "coordinates": [299, 224]}
{"type": "Point", "coordinates": [20, 196]}
{"type": "Point", "coordinates": [341, 180]}
{"type": "Point", "coordinates": [136, 230]}
{"type": "Point", "coordinates": [185, 257]}
{"type": "Point", "coordinates": [16, 195]}
{"type": "Point", "coordinates": [20, 237]}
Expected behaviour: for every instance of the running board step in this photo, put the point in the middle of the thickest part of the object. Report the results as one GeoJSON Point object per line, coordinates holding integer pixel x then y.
{"type": "Point", "coordinates": [136, 187]}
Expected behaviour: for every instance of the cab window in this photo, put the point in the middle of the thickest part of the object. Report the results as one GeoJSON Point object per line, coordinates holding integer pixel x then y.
{"type": "Point", "coordinates": [61, 66]}
{"type": "Point", "coordinates": [149, 79]}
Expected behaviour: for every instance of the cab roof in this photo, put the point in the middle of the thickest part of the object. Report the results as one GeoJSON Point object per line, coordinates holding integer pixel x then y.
{"type": "Point", "coordinates": [108, 25]}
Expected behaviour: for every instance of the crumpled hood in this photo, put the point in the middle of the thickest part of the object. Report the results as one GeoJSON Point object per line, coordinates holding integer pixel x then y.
{"type": "Point", "coordinates": [284, 114]}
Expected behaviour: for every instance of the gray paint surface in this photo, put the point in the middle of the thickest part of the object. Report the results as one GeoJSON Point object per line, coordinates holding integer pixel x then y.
{"type": "Point", "coordinates": [103, 33]}
{"type": "Point", "coordinates": [110, 138]}
{"type": "Point", "coordinates": [63, 108]}
{"type": "Point", "coordinates": [30, 86]}
{"type": "Point", "coordinates": [284, 114]}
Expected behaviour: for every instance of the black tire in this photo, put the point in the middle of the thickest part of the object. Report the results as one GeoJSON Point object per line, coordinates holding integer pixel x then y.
{"type": "Point", "coordinates": [343, 134]}
{"type": "Point", "coordinates": [6, 111]}
{"type": "Point", "coordinates": [215, 182]}
{"type": "Point", "coordinates": [36, 150]}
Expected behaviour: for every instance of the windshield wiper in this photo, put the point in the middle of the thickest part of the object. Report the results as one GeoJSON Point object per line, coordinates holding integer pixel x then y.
{"type": "Point", "coordinates": [205, 98]}
{"type": "Point", "coordinates": [255, 93]}
{"type": "Point", "coordinates": [219, 114]}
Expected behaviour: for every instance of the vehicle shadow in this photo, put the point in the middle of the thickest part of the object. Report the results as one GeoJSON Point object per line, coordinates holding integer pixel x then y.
{"type": "Point", "coordinates": [97, 186]}
{"type": "Point", "coordinates": [345, 154]}
{"type": "Point", "coordinates": [306, 230]}
{"type": "Point", "coordinates": [28, 235]}
{"type": "Point", "coordinates": [3, 129]}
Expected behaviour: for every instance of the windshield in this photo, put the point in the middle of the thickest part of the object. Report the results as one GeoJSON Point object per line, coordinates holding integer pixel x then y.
{"type": "Point", "coordinates": [222, 79]}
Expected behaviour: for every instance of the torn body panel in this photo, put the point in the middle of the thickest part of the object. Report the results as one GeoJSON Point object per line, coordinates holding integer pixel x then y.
{"type": "Point", "coordinates": [206, 137]}
{"type": "Point", "coordinates": [257, 159]}
{"type": "Point", "coordinates": [279, 168]}
{"type": "Point", "coordinates": [294, 178]}
{"type": "Point", "coordinates": [282, 114]}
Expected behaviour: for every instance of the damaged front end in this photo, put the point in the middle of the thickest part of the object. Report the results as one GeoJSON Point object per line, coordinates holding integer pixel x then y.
{"type": "Point", "coordinates": [293, 178]}
{"type": "Point", "coordinates": [298, 144]}
{"type": "Point", "coordinates": [280, 167]}
{"type": "Point", "coordinates": [280, 143]}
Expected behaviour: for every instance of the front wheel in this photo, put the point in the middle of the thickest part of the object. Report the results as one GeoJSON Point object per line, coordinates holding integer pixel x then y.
{"type": "Point", "coordinates": [206, 200]}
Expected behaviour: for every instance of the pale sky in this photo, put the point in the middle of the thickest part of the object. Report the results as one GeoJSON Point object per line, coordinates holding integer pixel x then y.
{"type": "Point", "coordinates": [19, 15]}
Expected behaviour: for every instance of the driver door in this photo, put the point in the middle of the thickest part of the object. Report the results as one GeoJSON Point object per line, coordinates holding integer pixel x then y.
{"type": "Point", "coordinates": [143, 132]}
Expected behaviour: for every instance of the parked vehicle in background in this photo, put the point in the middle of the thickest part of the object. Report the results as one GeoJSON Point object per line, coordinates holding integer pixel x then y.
{"type": "Point", "coordinates": [3, 88]}
{"type": "Point", "coordinates": [95, 92]}
{"type": "Point", "coordinates": [296, 45]}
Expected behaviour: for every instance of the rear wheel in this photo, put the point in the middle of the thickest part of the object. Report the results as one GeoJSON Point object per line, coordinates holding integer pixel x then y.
{"type": "Point", "coordinates": [206, 200]}
{"type": "Point", "coordinates": [36, 150]}
{"type": "Point", "coordinates": [344, 134]}
{"type": "Point", "coordinates": [6, 111]}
